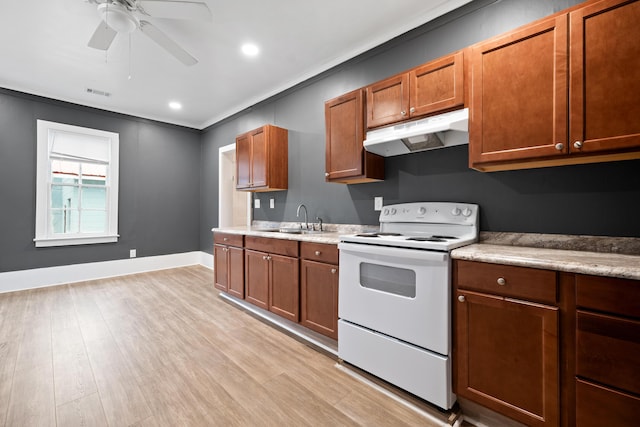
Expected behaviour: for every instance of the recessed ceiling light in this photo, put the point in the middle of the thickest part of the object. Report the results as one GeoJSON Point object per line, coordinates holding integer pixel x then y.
{"type": "Point", "coordinates": [174, 105]}
{"type": "Point", "coordinates": [250, 49]}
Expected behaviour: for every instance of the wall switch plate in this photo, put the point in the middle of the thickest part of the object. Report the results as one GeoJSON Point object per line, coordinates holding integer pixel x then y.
{"type": "Point", "coordinates": [132, 253]}
{"type": "Point", "coordinates": [377, 203]}
{"type": "Point", "coordinates": [256, 203]}
{"type": "Point", "coordinates": [272, 203]}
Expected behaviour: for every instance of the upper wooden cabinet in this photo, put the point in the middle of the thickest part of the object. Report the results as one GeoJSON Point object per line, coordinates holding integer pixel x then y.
{"type": "Point", "coordinates": [262, 159]}
{"type": "Point", "coordinates": [535, 103]}
{"type": "Point", "coordinates": [346, 160]}
{"type": "Point", "coordinates": [430, 88]}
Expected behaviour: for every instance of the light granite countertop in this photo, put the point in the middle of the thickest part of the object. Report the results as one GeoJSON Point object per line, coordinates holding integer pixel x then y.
{"type": "Point", "coordinates": [583, 262]}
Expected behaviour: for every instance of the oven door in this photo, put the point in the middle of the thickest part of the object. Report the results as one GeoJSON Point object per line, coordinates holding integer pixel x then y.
{"type": "Point", "coordinates": [402, 293]}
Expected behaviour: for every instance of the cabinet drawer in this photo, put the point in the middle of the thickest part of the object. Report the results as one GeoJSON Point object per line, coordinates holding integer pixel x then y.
{"type": "Point", "coordinates": [618, 296]}
{"type": "Point", "coordinates": [509, 281]}
{"type": "Point", "coordinates": [319, 252]}
{"type": "Point", "coordinates": [228, 239]}
{"type": "Point", "coordinates": [272, 246]}
{"type": "Point", "coordinates": [599, 406]}
{"type": "Point", "coordinates": [607, 350]}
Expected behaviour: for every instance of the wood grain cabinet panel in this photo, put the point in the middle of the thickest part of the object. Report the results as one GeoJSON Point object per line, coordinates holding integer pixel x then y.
{"type": "Point", "coordinates": [262, 159]}
{"type": "Point", "coordinates": [558, 91]}
{"type": "Point", "coordinates": [519, 94]}
{"type": "Point", "coordinates": [388, 101]}
{"type": "Point", "coordinates": [599, 406]}
{"type": "Point", "coordinates": [346, 160]}
{"type": "Point", "coordinates": [319, 288]}
{"type": "Point", "coordinates": [506, 351]}
{"type": "Point", "coordinates": [228, 259]}
{"type": "Point", "coordinates": [604, 89]}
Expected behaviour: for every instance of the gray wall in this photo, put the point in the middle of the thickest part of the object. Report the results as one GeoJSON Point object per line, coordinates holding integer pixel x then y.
{"type": "Point", "coordinates": [159, 186]}
{"type": "Point", "coordinates": [600, 199]}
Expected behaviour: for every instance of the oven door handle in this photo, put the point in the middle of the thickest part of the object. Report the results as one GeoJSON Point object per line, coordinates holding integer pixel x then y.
{"type": "Point", "coordinates": [418, 254]}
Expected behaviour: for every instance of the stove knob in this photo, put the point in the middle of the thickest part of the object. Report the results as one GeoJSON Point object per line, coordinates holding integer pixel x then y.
{"type": "Point", "coordinates": [393, 211]}
{"type": "Point", "coordinates": [422, 210]}
{"type": "Point", "coordinates": [385, 212]}
{"type": "Point", "coordinates": [456, 211]}
{"type": "Point", "coordinates": [466, 212]}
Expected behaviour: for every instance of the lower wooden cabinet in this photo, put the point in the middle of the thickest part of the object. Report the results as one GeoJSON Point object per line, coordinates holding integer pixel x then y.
{"type": "Point", "coordinates": [228, 268]}
{"type": "Point", "coordinates": [272, 275]}
{"type": "Point", "coordinates": [506, 349]}
{"type": "Point", "coordinates": [319, 288]}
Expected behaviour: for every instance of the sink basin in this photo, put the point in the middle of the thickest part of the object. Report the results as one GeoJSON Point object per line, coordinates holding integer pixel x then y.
{"type": "Point", "coordinates": [291, 230]}
{"type": "Point", "coordinates": [265, 230]}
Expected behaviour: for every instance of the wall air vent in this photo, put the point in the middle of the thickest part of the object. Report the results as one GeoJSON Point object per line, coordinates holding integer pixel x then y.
{"type": "Point", "coordinates": [98, 92]}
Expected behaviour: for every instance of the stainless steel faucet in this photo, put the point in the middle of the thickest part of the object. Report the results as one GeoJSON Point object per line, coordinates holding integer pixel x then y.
{"type": "Point", "coordinates": [306, 220]}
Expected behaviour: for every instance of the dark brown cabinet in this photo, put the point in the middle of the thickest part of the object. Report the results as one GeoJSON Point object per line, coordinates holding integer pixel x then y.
{"type": "Point", "coordinates": [538, 103]}
{"type": "Point", "coordinates": [346, 159]}
{"type": "Point", "coordinates": [262, 159]}
{"type": "Point", "coordinates": [506, 344]}
{"type": "Point", "coordinates": [228, 259]}
{"type": "Point", "coordinates": [319, 288]}
{"type": "Point", "coordinates": [607, 348]}
{"type": "Point", "coordinates": [272, 275]}
{"type": "Point", "coordinates": [430, 88]}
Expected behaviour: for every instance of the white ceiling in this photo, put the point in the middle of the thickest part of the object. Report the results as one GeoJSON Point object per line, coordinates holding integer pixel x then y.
{"type": "Point", "coordinates": [43, 51]}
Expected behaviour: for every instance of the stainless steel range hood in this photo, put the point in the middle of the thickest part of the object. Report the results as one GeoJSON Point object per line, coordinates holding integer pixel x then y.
{"type": "Point", "coordinates": [444, 130]}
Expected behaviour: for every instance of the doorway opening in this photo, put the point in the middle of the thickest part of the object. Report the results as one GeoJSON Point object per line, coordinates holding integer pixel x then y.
{"type": "Point", "coordinates": [234, 207]}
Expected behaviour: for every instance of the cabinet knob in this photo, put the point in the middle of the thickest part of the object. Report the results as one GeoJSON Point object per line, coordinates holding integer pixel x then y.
{"type": "Point", "coordinates": [412, 110]}
{"type": "Point", "coordinates": [559, 146]}
{"type": "Point", "coordinates": [264, 257]}
{"type": "Point", "coordinates": [461, 298]}
{"type": "Point", "coordinates": [577, 144]}
{"type": "Point", "coordinates": [225, 249]}
{"type": "Point", "coordinates": [326, 174]}
{"type": "Point", "coordinates": [333, 271]}
{"type": "Point", "coordinates": [317, 253]}
{"type": "Point", "coordinates": [403, 113]}
{"type": "Point", "coordinates": [501, 281]}
{"type": "Point", "coordinates": [225, 239]}
{"type": "Point", "coordinates": [268, 257]}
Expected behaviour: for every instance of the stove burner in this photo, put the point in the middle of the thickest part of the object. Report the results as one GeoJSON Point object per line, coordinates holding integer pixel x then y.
{"type": "Point", "coordinates": [378, 234]}
{"type": "Point", "coordinates": [427, 239]}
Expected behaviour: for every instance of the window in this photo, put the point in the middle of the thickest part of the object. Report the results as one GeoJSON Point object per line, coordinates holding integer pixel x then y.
{"type": "Point", "coordinates": [76, 186]}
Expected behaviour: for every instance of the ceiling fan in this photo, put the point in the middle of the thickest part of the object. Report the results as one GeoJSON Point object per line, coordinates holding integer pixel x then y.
{"type": "Point", "coordinates": [127, 16]}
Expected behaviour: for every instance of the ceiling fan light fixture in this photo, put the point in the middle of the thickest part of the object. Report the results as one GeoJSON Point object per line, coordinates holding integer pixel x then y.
{"type": "Point", "coordinates": [118, 17]}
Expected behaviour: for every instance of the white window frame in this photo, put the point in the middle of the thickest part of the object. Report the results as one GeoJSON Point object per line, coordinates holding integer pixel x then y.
{"type": "Point", "coordinates": [44, 235]}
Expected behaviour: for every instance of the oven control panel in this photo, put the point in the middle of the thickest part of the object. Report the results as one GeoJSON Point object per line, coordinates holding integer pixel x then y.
{"type": "Point", "coordinates": [431, 212]}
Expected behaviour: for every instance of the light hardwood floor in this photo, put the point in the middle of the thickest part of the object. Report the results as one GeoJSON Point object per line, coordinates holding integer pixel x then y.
{"type": "Point", "coordinates": [162, 349]}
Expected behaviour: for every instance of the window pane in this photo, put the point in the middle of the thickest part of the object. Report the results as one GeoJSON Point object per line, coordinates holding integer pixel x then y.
{"type": "Point", "coordinates": [94, 174]}
{"type": "Point", "coordinates": [64, 197]}
{"type": "Point", "coordinates": [65, 221]}
{"type": "Point", "coordinates": [93, 222]}
{"type": "Point", "coordinates": [94, 198]}
{"type": "Point", "coordinates": [392, 280]}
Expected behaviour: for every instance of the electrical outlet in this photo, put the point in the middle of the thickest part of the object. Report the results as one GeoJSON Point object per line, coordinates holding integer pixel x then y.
{"type": "Point", "coordinates": [377, 203]}
{"type": "Point", "coordinates": [272, 203]}
{"type": "Point", "coordinates": [132, 253]}
{"type": "Point", "coordinates": [256, 203]}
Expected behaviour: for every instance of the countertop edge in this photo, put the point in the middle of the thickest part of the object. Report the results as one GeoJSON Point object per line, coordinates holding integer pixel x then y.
{"type": "Point", "coordinates": [592, 263]}
{"type": "Point", "coordinates": [329, 237]}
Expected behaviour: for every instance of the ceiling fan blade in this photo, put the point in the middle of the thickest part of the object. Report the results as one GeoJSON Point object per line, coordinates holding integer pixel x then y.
{"type": "Point", "coordinates": [166, 43]}
{"type": "Point", "coordinates": [102, 37]}
{"type": "Point", "coordinates": [175, 9]}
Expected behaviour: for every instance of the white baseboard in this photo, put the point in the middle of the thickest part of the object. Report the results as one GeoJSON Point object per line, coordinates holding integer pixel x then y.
{"type": "Point", "coordinates": [50, 276]}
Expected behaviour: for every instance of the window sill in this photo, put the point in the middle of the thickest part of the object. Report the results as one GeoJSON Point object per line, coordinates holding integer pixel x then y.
{"type": "Point", "coordinates": [70, 241]}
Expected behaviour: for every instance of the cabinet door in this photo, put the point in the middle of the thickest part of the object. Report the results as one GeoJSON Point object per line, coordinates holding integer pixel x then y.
{"type": "Point", "coordinates": [221, 267]}
{"type": "Point", "coordinates": [256, 278]}
{"type": "Point", "coordinates": [437, 86]}
{"type": "Point", "coordinates": [519, 95]}
{"type": "Point", "coordinates": [344, 120]}
{"type": "Point", "coordinates": [243, 161]}
{"type": "Point", "coordinates": [507, 356]}
{"type": "Point", "coordinates": [284, 290]}
{"type": "Point", "coordinates": [388, 101]}
{"type": "Point", "coordinates": [605, 59]}
{"type": "Point", "coordinates": [236, 271]}
{"type": "Point", "coordinates": [319, 297]}
{"type": "Point", "coordinates": [259, 159]}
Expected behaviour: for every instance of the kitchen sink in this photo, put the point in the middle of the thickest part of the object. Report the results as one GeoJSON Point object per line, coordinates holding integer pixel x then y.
{"type": "Point", "coordinates": [296, 230]}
